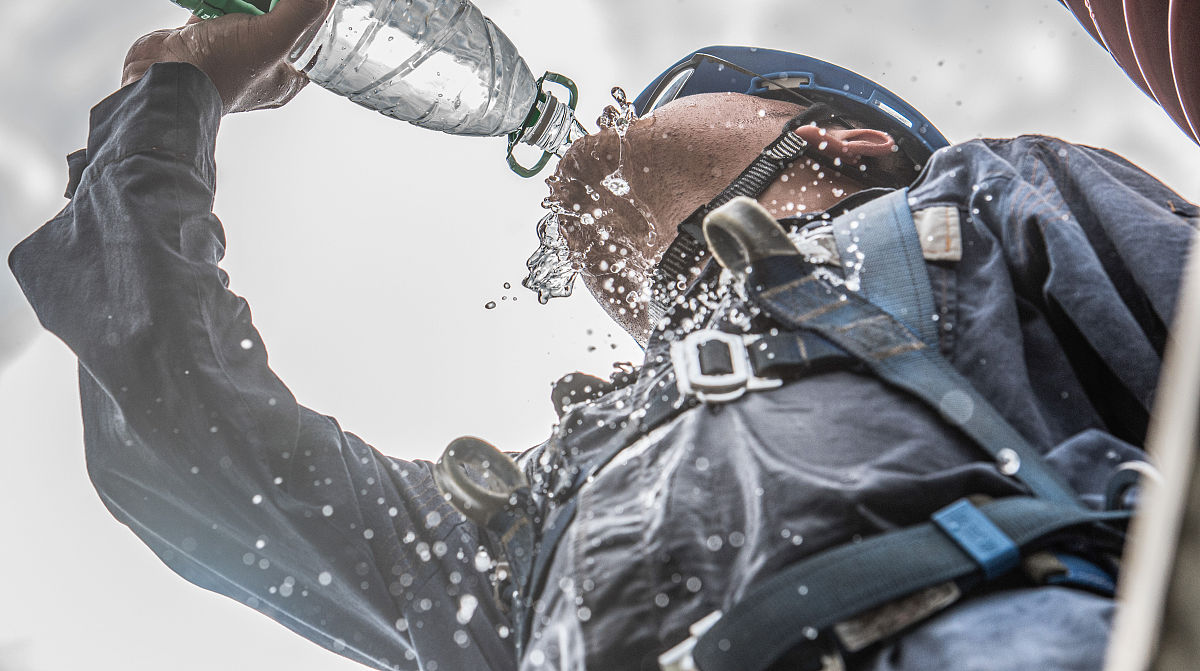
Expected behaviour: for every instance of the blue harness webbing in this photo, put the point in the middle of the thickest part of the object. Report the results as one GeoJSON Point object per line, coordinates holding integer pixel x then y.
{"type": "Point", "coordinates": [879, 248]}
{"type": "Point", "coordinates": [791, 294]}
{"type": "Point", "coordinates": [777, 617]}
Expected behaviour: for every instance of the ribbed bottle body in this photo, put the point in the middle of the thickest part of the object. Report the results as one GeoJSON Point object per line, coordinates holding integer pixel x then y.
{"type": "Point", "coordinates": [439, 64]}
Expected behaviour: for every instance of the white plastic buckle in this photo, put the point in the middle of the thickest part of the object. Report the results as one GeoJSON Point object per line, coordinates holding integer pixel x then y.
{"type": "Point", "coordinates": [691, 379]}
{"type": "Point", "coordinates": [679, 658]}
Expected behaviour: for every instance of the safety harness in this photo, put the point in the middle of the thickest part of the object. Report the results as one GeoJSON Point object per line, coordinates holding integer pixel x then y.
{"type": "Point", "coordinates": [832, 601]}
{"type": "Point", "coordinates": [849, 597]}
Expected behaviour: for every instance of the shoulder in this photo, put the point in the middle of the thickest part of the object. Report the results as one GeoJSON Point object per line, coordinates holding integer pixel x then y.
{"type": "Point", "coordinates": [1041, 163]}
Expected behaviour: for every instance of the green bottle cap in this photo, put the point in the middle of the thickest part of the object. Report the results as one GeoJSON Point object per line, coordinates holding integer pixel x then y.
{"type": "Point", "coordinates": [209, 9]}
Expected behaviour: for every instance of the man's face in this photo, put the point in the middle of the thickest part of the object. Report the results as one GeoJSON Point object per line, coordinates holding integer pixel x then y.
{"type": "Point", "coordinates": [619, 196]}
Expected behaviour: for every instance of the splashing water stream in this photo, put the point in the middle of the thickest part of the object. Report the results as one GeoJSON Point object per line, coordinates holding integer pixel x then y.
{"type": "Point", "coordinates": [553, 267]}
{"type": "Point", "coordinates": [551, 272]}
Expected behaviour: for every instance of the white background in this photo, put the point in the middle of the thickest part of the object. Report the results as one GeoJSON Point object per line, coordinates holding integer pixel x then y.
{"type": "Point", "coordinates": [368, 249]}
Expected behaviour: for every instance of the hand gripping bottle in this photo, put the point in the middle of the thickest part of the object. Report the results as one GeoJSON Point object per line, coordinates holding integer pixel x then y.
{"type": "Point", "coordinates": [438, 64]}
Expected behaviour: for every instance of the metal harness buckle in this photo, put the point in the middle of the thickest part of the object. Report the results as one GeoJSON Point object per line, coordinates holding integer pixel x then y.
{"type": "Point", "coordinates": [691, 379]}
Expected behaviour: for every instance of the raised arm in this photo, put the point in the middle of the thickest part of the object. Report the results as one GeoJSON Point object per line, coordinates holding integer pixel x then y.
{"type": "Point", "coordinates": [194, 443]}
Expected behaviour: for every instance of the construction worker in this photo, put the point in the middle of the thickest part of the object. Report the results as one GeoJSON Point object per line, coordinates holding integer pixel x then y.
{"type": "Point", "coordinates": [892, 430]}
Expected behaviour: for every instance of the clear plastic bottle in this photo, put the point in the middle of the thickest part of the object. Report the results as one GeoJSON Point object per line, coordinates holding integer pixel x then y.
{"type": "Point", "coordinates": [438, 64]}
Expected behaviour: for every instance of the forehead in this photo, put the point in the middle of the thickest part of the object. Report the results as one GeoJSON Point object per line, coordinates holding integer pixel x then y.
{"type": "Point", "coordinates": [734, 105]}
{"type": "Point", "coordinates": [685, 119]}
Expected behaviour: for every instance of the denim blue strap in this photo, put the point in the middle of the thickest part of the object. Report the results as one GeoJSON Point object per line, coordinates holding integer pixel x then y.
{"type": "Point", "coordinates": [785, 288]}
{"type": "Point", "coordinates": [882, 261]}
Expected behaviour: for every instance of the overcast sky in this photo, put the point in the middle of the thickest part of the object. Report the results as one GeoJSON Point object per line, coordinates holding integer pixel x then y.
{"type": "Point", "coordinates": [369, 248]}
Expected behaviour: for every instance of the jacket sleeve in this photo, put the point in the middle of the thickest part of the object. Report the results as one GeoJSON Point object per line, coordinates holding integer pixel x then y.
{"type": "Point", "coordinates": [199, 448]}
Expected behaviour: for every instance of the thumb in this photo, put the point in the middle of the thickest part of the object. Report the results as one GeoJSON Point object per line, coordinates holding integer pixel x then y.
{"type": "Point", "coordinates": [283, 25]}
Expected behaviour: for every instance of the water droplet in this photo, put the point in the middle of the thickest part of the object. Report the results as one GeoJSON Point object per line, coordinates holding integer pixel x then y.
{"type": "Point", "coordinates": [483, 561]}
{"type": "Point", "coordinates": [1008, 461]}
{"type": "Point", "coordinates": [247, 343]}
{"type": "Point", "coordinates": [618, 94]}
{"type": "Point", "coordinates": [957, 406]}
{"type": "Point", "coordinates": [616, 183]}
{"type": "Point", "coordinates": [466, 608]}
{"type": "Point", "coordinates": [489, 305]}
{"type": "Point", "coordinates": [324, 578]}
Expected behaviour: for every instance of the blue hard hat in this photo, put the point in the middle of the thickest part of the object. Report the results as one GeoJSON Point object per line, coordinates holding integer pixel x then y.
{"type": "Point", "coordinates": [787, 76]}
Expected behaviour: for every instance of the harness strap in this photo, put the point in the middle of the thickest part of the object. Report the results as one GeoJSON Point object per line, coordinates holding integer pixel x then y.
{"type": "Point", "coordinates": [802, 301]}
{"type": "Point", "coordinates": [883, 261]}
{"type": "Point", "coordinates": [812, 596]}
{"type": "Point", "coordinates": [781, 355]}
{"type": "Point", "coordinates": [785, 287]}
{"type": "Point", "coordinates": [687, 250]}
{"type": "Point", "coordinates": [962, 545]}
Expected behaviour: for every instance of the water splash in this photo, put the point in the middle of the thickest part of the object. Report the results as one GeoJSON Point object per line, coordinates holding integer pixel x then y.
{"type": "Point", "coordinates": [615, 183]}
{"type": "Point", "coordinates": [551, 269]}
{"type": "Point", "coordinates": [618, 117]}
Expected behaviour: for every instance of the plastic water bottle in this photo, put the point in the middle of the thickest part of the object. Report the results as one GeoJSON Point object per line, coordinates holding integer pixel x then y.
{"type": "Point", "coordinates": [438, 64]}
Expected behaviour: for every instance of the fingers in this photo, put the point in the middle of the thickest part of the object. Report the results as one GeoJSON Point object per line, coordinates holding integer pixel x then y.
{"type": "Point", "coordinates": [141, 55]}
{"type": "Point", "coordinates": [290, 19]}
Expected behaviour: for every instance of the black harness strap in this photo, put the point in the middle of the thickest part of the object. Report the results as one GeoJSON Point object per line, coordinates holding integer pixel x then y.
{"type": "Point", "coordinates": [688, 251]}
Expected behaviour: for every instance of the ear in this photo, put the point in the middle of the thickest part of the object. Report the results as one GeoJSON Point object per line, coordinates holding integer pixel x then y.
{"type": "Point", "coordinates": [848, 144]}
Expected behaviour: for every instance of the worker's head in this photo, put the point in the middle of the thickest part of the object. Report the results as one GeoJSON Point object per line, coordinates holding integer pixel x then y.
{"type": "Point", "coordinates": [621, 193]}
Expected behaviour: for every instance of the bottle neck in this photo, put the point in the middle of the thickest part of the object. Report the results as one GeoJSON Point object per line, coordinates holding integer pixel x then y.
{"type": "Point", "coordinates": [556, 127]}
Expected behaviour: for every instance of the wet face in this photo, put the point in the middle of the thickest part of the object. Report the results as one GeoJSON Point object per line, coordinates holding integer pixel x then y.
{"type": "Point", "coordinates": [620, 193]}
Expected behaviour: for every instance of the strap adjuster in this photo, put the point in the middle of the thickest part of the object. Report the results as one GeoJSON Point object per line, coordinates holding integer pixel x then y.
{"type": "Point", "coordinates": [714, 366]}
{"type": "Point", "coordinates": [979, 537]}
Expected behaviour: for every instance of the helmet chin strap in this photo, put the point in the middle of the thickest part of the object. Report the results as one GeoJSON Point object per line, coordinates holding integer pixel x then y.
{"type": "Point", "coordinates": [688, 250]}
